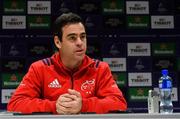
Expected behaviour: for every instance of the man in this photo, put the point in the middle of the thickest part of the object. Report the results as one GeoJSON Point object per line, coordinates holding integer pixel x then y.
{"type": "Point", "coordinates": [69, 82]}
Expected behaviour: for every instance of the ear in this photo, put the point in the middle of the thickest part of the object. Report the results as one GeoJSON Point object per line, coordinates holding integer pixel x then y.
{"type": "Point", "coordinates": [57, 42]}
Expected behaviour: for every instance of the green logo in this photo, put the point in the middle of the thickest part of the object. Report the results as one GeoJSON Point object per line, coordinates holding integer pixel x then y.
{"type": "Point", "coordinates": [138, 94]}
{"type": "Point", "coordinates": [14, 6]}
{"type": "Point", "coordinates": [120, 79]}
{"type": "Point", "coordinates": [113, 6]}
{"type": "Point", "coordinates": [138, 21]}
{"type": "Point", "coordinates": [39, 22]}
{"type": "Point", "coordinates": [166, 49]}
{"type": "Point", "coordinates": [11, 80]}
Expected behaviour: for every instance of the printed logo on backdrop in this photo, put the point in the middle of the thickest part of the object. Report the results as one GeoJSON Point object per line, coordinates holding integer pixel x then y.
{"type": "Point", "coordinates": [114, 21]}
{"type": "Point", "coordinates": [161, 7]}
{"type": "Point", "coordinates": [113, 6]}
{"type": "Point", "coordinates": [94, 49]}
{"type": "Point", "coordinates": [139, 64]}
{"type": "Point", "coordinates": [13, 22]}
{"type": "Point", "coordinates": [138, 94]}
{"type": "Point", "coordinates": [168, 49]}
{"type": "Point", "coordinates": [137, 7]}
{"type": "Point", "coordinates": [120, 78]}
{"type": "Point", "coordinates": [11, 80]}
{"type": "Point", "coordinates": [139, 49]}
{"type": "Point", "coordinates": [62, 9]}
{"type": "Point", "coordinates": [93, 7]}
{"type": "Point", "coordinates": [89, 22]}
{"type": "Point", "coordinates": [162, 22]}
{"type": "Point", "coordinates": [39, 49]}
{"type": "Point", "coordinates": [177, 6]}
{"type": "Point", "coordinates": [93, 21]}
{"type": "Point", "coordinates": [0, 49]}
{"type": "Point", "coordinates": [39, 7]}
{"type": "Point", "coordinates": [39, 22]}
{"type": "Point", "coordinates": [14, 6]}
{"type": "Point", "coordinates": [139, 79]}
{"type": "Point", "coordinates": [178, 64]}
{"type": "Point", "coordinates": [174, 94]}
{"type": "Point", "coordinates": [116, 64]}
{"type": "Point", "coordinates": [14, 49]}
{"type": "Point", "coordinates": [114, 49]}
{"type": "Point", "coordinates": [9, 65]}
{"type": "Point", "coordinates": [160, 63]}
{"type": "Point", "coordinates": [138, 21]}
{"type": "Point", "coordinates": [6, 95]}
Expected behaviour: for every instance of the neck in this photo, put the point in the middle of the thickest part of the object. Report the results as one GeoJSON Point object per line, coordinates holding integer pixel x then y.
{"type": "Point", "coordinates": [71, 64]}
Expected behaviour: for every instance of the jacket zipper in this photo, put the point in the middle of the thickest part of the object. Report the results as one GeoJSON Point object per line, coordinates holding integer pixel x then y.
{"type": "Point", "coordinates": [72, 84]}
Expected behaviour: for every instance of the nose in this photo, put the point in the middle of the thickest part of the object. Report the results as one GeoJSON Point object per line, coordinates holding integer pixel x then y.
{"type": "Point", "coordinates": [79, 41]}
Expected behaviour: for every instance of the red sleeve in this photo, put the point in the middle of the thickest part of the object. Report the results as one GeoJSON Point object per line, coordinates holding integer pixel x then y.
{"type": "Point", "coordinates": [108, 97]}
{"type": "Point", "coordinates": [26, 98]}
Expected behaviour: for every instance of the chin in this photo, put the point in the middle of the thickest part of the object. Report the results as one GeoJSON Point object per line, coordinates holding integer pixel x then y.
{"type": "Point", "coordinates": [79, 58]}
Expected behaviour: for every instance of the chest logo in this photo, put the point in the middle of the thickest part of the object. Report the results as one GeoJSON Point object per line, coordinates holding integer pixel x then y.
{"type": "Point", "coordinates": [54, 84]}
{"type": "Point", "coordinates": [88, 86]}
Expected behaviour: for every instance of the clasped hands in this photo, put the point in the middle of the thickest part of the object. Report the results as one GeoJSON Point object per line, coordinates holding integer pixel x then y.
{"type": "Point", "coordinates": [69, 103]}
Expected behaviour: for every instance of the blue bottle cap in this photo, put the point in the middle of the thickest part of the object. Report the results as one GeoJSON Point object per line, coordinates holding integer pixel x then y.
{"type": "Point", "coordinates": [164, 72]}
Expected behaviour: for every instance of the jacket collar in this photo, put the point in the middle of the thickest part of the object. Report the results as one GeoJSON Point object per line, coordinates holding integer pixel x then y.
{"type": "Point", "coordinates": [87, 61]}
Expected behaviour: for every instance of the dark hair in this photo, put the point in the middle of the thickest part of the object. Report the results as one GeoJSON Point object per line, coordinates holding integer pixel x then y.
{"type": "Point", "coordinates": [64, 19]}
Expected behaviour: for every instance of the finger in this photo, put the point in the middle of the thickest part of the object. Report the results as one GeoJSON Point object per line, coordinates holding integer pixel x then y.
{"type": "Point", "coordinates": [61, 109]}
{"type": "Point", "coordinates": [74, 92]}
{"type": "Point", "coordinates": [69, 97]}
{"type": "Point", "coordinates": [65, 99]}
{"type": "Point", "coordinates": [67, 104]}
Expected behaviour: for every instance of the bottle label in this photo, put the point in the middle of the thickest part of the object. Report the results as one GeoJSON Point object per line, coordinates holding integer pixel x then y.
{"type": "Point", "coordinates": [166, 84]}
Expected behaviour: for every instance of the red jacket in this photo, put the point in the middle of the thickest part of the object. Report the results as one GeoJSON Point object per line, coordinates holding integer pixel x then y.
{"type": "Point", "coordinates": [47, 79]}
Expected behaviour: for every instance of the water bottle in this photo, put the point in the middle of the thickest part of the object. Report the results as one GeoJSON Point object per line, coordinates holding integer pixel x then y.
{"type": "Point", "coordinates": [165, 88]}
{"type": "Point", "coordinates": [153, 102]}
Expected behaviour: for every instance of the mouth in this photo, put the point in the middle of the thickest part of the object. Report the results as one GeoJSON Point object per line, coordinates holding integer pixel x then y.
{"type": "Point", "coordinates": [80, 52]}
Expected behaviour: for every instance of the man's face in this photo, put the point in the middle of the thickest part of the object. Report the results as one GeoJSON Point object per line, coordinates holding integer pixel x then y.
{"type": "Point", "coordinates": [73, 44]}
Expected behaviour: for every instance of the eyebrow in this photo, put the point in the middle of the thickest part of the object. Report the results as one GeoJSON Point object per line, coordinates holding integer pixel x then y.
{"type": "Point", "coordinates": [75, 34]}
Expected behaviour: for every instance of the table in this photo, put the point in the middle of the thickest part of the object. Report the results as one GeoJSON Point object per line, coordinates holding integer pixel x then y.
{"type": "Point", "coordinates": [93, 116]}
